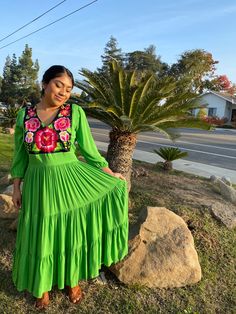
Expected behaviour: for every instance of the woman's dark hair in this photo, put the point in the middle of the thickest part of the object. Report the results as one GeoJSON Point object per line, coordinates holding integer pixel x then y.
{"type": "Point", "coordinates": [56, 71]}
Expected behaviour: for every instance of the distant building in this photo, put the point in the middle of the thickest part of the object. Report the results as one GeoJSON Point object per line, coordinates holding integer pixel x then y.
{"type": "Point", "coordinates": [219, 104]}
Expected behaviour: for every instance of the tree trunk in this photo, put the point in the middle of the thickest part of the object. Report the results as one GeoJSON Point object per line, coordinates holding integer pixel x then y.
{"type": "Point", "coordinates": [120, 153]}
{"type": "Point", "coordinates": [167, 165]}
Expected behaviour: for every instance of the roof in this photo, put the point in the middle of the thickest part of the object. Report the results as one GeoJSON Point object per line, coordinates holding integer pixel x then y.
{"type": "Point", "coordinates": [225, 96]}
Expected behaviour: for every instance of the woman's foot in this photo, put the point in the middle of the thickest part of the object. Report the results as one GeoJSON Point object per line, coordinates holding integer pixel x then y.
{"type": "Point", "coordinates": [75, 294]}
{"type": "Point", "coordinates": [42, 303]}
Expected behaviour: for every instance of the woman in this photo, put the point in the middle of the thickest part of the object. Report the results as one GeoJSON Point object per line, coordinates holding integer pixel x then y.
{"type": "Point", "coordinates": [73, 215]}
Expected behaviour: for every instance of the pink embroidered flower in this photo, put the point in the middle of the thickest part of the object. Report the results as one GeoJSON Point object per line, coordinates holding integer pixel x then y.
{"type": "Point", "coordinates": [32, 124]}
{"type": "Point", "coordinates": [46, 139]}
{"type": "Point", "coordinates": [29, 137]}
{"type": "Point", "coordinates": [66, 110]}
{"type": "Point", "coordinates": [62, 124]}
{"type": "Point", "coordinates": [31, 112]}
{"type": "Point", "coordinates": [64, 136]}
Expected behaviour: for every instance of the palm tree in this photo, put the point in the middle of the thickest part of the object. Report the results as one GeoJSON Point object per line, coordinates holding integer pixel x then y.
{"type": "Point", "coordinates": [170, 154]}
{"type": "Point", "coordinates": [9, 117]}
{"type": "Point", "coordinates": [131, 102]}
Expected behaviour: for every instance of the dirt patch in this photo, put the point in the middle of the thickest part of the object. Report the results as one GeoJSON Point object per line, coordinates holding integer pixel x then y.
{"type": "Point", "coordinates": [174, 190]}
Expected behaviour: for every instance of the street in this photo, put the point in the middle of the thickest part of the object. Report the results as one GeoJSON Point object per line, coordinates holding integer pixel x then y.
{"type": "Point", "coordinates": [215, 148]}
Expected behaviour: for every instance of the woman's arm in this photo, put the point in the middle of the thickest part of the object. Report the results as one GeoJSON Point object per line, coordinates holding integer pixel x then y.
{"type": "Point", "coordinates": [20, 159]}
{"type": "Point", "coordinates": [88, 147]}
{"type": "Point", "coordinates": [16, 196]}
{"type": "Point", "coordinates": [20, 156]}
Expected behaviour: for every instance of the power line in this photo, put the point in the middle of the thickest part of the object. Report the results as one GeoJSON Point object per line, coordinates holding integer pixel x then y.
{"type": "Point", "coordinates": [37, 30]}
{"type": "Point", "coordinates": [35, 19]}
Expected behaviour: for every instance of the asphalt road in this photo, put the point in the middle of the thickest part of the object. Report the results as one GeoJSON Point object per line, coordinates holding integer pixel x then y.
{"type": "Point", "coordinates": [216, 148]}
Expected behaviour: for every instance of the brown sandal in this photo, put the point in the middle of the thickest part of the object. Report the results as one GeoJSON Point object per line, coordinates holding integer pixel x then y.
{"type": "Point", "coordinates": [75, 294]}
{"type": "Point", "coordinates": [42, 303]}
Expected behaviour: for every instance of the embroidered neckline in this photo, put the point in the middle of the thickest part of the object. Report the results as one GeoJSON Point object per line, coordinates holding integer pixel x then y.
{"type": "Point", "coordinates": [51, 138]}
{"type": "Point", "coordinates": [41, 122]}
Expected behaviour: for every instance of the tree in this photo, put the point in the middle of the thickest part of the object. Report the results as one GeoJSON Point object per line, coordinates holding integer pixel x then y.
{"type": "Point", "coordinates": [9, 92]}
{"type": "Point", "coordinates": [0, 84]}
{"type": "Point", "coordinates": [132, 103]}
{"type": "Point", "coordinates": [111, 52]}
{"type": "Point", "coordinates": [19, 83]}
{"type": "Point", "coordinates": [195, 68]}
{"type": "Point", "coordinates": [146, 60]}
{"type": "Point", "coordinates": [170, 154]}
{"type": "Point", "coordinates": [29, 89]}
{"type": "Point", "coordinates": [223, 84]}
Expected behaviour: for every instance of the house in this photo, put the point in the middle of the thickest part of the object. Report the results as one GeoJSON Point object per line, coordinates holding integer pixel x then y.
{"type": "Point", "coordinates": [219, 104]}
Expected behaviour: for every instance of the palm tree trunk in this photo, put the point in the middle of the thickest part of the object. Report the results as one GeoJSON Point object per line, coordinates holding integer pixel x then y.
{"type": "Point", "coordinates": [120, 152]}
{"type": "Point", "coordinates": [168, 165]}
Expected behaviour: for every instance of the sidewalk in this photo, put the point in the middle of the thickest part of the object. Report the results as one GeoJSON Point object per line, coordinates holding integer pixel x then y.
{"type": "Point", "coordinates": [181, 164]}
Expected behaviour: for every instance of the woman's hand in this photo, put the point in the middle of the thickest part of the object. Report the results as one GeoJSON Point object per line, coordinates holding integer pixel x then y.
{"type": "Point", "coordinates": [16, 197]}
{"type": "Point", "coordinates": [118, 175]}
{"type": "Point", "coordinates": [115, 174]}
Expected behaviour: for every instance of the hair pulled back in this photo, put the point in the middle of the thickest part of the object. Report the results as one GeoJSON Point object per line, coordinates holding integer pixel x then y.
{"type": "Point", "coordinates": [56, 71]}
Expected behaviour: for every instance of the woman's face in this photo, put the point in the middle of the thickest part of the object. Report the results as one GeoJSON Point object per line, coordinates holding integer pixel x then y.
{"type": "Point", "coordinates": [58, 90]}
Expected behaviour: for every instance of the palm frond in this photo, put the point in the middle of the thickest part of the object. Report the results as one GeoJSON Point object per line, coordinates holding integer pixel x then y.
{"type": "Point", "coordinates": [135, 101]}
{"type": "Point", "coordinates": [170, 153]}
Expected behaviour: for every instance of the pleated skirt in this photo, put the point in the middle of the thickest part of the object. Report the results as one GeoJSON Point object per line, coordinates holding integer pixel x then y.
{"type": "Point", "coordinates": [73, 219]}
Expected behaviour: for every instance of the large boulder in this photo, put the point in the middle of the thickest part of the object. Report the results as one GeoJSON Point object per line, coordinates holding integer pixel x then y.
{"type": "Point", "coordinates": [161, 252]}
{"type": "Point", "coordinates": [9, 130]}
{"type": "Point", "coordinates": [7, 209]}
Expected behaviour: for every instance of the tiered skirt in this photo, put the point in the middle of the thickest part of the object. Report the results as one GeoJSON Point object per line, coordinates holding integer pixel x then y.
{"type": "Point", "coordinates": [73, 219]}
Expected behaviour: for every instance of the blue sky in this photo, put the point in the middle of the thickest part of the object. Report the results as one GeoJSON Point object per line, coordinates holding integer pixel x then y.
{"type": "Point", "coordinates": [79, 40]}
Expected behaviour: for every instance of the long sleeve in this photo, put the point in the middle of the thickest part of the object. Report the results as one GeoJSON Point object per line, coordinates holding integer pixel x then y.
{"type": "Point", "coordinates": [20, 156]}
{"type": "Point", "coordinates": [86, 142]}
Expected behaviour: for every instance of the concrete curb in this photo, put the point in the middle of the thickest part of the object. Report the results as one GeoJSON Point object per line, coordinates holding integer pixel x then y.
{"type": "Point", "coordinates": [196, 168]}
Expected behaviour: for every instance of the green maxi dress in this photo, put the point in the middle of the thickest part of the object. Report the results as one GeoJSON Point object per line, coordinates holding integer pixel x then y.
{"type": "Point", "coordinates": [74, 216]}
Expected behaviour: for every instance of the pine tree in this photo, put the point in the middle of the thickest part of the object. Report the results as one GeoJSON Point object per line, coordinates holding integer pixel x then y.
{"type": "Point", "coordinates": [1, 84]}
{"type": "Point", "coordinates": [29, 89]}
{"type": "Point", "coordinates": [6, 79]}
{"type": "Point", "coordinates": [19, 82]}
{"type": "Point", "coordinates": [111, 52]}
{"type": "Point", "coordinates": [9, 91]}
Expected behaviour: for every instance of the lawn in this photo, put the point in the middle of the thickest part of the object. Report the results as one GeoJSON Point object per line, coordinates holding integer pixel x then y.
{"type": "Point", "coordinates": [6, 151]}
{"type": "Point", "coordinates": [187, 196]}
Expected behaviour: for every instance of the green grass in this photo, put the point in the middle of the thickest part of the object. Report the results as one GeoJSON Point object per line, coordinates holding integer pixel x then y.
{"type": "Point", "coordinates": [6, 152]}
{"type": "Point", "coordinates": [214, 243]}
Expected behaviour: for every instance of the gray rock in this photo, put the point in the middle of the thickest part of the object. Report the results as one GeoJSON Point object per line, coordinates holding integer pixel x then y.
{"type": "Point", "coordinates": [9, 189]}
{"type": "Point", "coordinates": [226, 213]}
{"type": "Point", "coordinates": [224, 187]}
{"type": "Point", "coordinates": [226, 180]}
{"type": "Point", "coordinates": [161, 254]}
{"type": "Point", "coordinates": [6, 179]}
{"type": "Point", "coordinates": [228, 192]}
{"type": "Point", "coordinates": [101, 279]}
{"type": "Point", "coordinates": [213, 178]}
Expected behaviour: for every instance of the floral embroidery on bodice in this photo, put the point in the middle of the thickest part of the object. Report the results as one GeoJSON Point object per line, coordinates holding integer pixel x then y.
{"type": "Point", "coordinates": [52, 138]}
